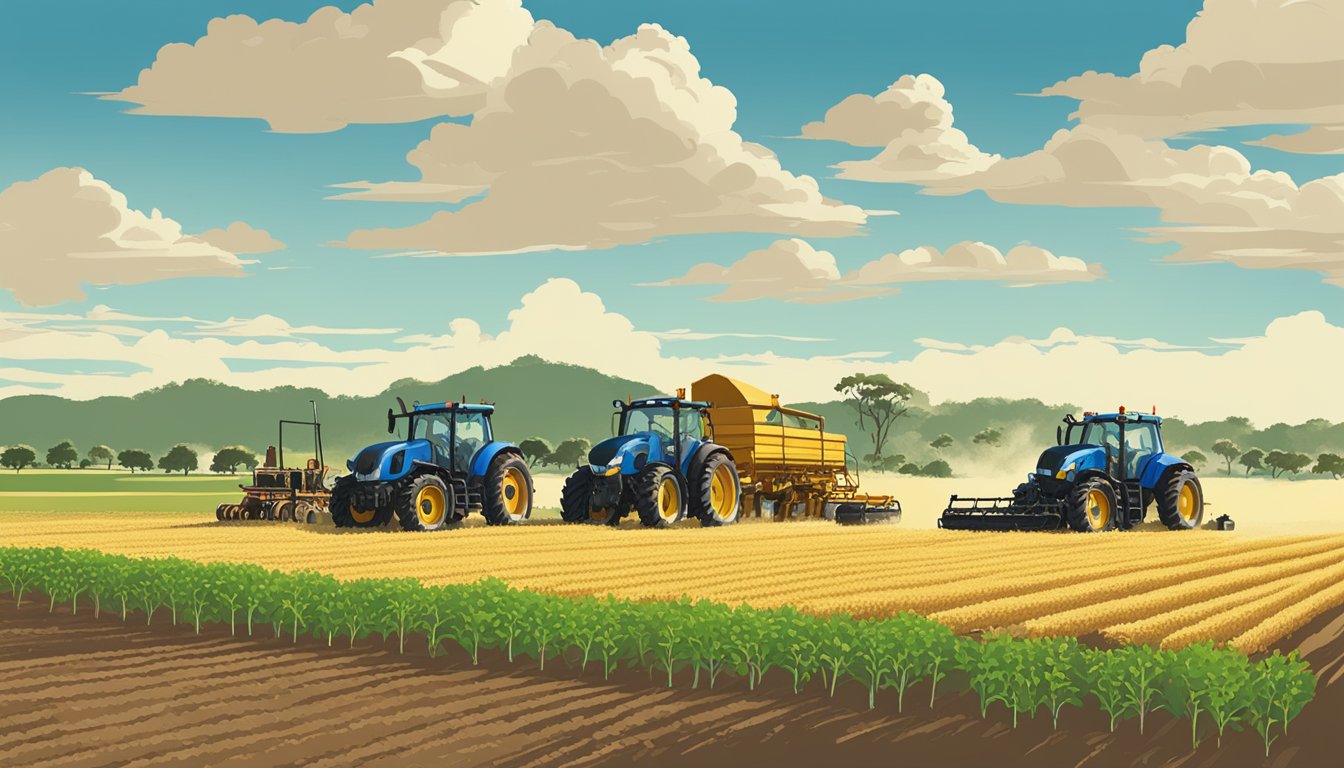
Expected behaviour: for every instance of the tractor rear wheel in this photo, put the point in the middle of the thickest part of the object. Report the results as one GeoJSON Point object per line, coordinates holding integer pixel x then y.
{"type": "Point", "coordinates": [425, 504]}
{"type": "Point", "coordinates": [658, 497]}
{"type": "Point", "coordinates": [1091, 506]}
{"type": "Point", "coordinates": [718, 492]}
{"type": "Point", "coordinates": [1180, 501]}
{"type": "Point", "coordinates": [343, 512]}
{"type": "Point", "coordinates": [507, 497]}
{"type": "Point", "coordinates": [576, 496]}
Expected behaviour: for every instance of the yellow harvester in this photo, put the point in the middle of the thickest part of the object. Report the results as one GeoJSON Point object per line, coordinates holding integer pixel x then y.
{"type": "Point", "coordinates": [789, 464]}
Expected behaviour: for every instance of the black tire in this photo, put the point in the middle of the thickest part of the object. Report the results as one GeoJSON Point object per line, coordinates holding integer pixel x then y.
{"type": "Point", "coordinates": [576, 495]}
{"type": "Point", "coordinates": [342, 514]}
{"type": "Point", "coordinates": [656, 507]}
{"type": "Point", "coordinates": [1180, 501]}
{"type": "Point", "coordinates": [411, 504]}
{"type": "Point", "coordinates": [1091, 506]}
{"type": "Point", "coordinates": [704, 496]}
{"type": "Point", "coordinates": [506, 498]}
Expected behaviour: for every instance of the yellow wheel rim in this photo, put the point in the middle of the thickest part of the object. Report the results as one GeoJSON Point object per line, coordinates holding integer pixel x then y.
{"type": "Point", "coordinates": [514, 490]}
{"type": "Point", "coordinates": [669, 499]}
{"type": "Point", "coordinates": [723, 493]}
{"type": "Point", "coordinates": [1098, 509]}
{"type": "Point", "coordinates": [601, 515]}
{"type": "Point", "coordinates": [1185, 502]}
{"type": "Point", "coordinates": [430, 505]}
{"type": "Point", "coordinates": [361, 516]}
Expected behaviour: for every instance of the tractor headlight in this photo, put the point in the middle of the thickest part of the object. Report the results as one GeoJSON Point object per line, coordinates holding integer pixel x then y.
{"type": "Point", "coordinates": [611, 469]}
{"type": "Point", "coordinates": [1067, 472]}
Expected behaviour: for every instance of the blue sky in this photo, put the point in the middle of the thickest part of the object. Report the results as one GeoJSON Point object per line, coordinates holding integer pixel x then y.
{"type": "Point", "coordinates": [786, 63]}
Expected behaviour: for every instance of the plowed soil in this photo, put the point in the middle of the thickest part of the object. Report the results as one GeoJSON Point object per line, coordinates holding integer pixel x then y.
{"type": "Point", "coordinates": [78, 691]}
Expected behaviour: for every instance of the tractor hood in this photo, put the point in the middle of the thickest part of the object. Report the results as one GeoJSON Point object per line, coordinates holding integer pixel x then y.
{"type": "Point", "coordinates": [390, 460]}
{"type": "Point", "coordinates": [624, 454]}
{"type": "Point", "coordinates": [1064, 461]}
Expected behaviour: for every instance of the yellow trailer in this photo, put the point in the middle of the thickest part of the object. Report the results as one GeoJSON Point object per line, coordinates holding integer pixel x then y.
{"type": "Point", "coordinates": [790, 466]}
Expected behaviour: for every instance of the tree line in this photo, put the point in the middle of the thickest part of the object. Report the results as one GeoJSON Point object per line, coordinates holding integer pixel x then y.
{"type": "Point", "coordinates": [1277, 463]}
{"type": "Point", "coordinates": [179, 458]}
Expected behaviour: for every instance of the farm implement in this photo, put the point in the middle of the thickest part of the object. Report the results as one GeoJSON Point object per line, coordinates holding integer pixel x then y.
{"type": "Point", "coordinates": [728, 450]}
{"type": "Point", "coordinates": [1103, 474]}
{"type": "Point", "coordinates": [277, 492]}
{"type": "Point", "coordinates": [449, 466]}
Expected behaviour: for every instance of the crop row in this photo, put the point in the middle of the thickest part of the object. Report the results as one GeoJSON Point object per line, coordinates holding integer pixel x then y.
{"type": "Point", "coordinates": [1206, 685]}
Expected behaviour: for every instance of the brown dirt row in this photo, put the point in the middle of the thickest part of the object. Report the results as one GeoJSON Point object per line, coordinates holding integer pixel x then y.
{"type": "Point", "coordinates": [75, 691]}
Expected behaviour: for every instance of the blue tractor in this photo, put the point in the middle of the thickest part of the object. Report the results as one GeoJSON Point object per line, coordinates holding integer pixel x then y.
{"type": "Point", "coordinates": [1105, 472]}
{"type": "Point", "coordinates": [449, 465]}
{"type": "Point", "coordinates": [663, 465]}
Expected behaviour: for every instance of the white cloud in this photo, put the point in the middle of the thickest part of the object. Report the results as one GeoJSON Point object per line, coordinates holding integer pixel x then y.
{"type": "Point", "coordinates": [66, 228]}
{"type": "Point", "coordinates": [912, 122]}
{"type": "Point", "coordinates": [792, 270]}
{"type": "Point", "coordinates": [686, 334]}
{"type": "Point", "coordinates": [1244, 62]}
{"type": "Point", "coordinates": [582, 146]}
{"type": "Point", "coordinates": [240, 238]}
{"type": "Point", "coordinates": [558, 320]}
{"type": "Point", "coordinates": [272, 327]}
{"type": "Point", "coordinates": [1022, 266]}
{"type": "Point", "coordinates": [389, 61]}
{"type": "Point", "coordinates": [1222, 210]}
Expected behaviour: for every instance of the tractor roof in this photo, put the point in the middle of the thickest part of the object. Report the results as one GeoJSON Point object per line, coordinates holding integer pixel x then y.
{"type": "Point", "coordinates": [1089, 416]}
{"type": "Point", "coordinates": [666, 402]}
{"type": "Point", "coordinates": [458, 407]}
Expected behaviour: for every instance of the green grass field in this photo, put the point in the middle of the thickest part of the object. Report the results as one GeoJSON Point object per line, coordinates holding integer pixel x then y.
{"type": "Point", "coordinates": [114, 491]}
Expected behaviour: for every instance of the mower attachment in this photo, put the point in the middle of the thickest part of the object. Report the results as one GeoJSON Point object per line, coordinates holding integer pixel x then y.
{"type": "Point", "coordinates": [1000, 514]}
{"type": "Point", "coordinates": [860, 513]}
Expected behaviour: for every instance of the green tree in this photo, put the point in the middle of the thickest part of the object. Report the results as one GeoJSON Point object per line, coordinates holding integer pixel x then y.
{"type": "Point", "coordinates": [1329, 463]}
{"type": "Point", "coordinates": [1252, 459]}
{"type": "Point", "coordinates": [879, 402]}
{"type": "Point", "coordinates": [1280, 462]}
{"type": "Point", "coordinates": [179, 458]}
{"type": "Point", "coordinates": [63, 454]}
{"type": "Point", "coordinates": [536, 450]}
{"type": "Point", "coordinates": [1229, 450]}
{"type": "Point", "coordinates": [133, 459]}
{"type": "Point", "coordinates": [1196, 459]}
{"type": "Point", "coordinates": [17, 457]}
{"type": "Point", "coordinates": [936, 468]}
{"type": "Point", "coordinates": [101, 454]}
{"type": "Point", "coordinates": [229, 459]}
{"type": "Point", "coordinates": [571, 452]}
{"type": "Point", "coordinates": [988, 436]}
{"type": "Point", "coordinates": [940, 442]}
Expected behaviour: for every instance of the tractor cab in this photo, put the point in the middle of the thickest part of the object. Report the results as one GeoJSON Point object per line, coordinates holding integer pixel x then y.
{"type": "Point", "coordinates": [1123, 445]}
{"type": "Point", "coordinates": [659, 429]}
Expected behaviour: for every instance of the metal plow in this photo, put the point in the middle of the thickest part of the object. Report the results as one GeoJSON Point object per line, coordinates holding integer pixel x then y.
{"type": "Point", "coordinates": [1001, 514]}
{"type": "Point", "coordinates": [861, 513]}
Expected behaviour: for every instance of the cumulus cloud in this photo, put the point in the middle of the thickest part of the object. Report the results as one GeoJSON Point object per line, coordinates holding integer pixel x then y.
{"type": "Point", "coordinates": [583, 146]}
{"type": "Point", "coordinates": [1221, 210]}
{"type": "Point", "coordinates": [1022, 266]}
{"type": "Point", "coordinates": [240, 238]}
{"type": "Point", "coordinates": [792, 270]}
{"type": "Point", "coordinates": [67, 228]}
{"type": "Point", "coordinates": [389, 61]}
{"type": "Point", "coordinates": [912, 122]}
{"type": "Point", "coordinates": [1243, 62]}
{"type": "Point", "coordinates": [558, 319]}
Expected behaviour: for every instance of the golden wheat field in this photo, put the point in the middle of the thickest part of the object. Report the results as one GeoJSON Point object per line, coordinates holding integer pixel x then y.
{"type": "Point", "coordinates": [1160, 588]}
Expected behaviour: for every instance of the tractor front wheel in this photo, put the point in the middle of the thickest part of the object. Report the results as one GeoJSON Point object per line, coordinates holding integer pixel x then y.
{"type": "Point", "coordinates": [576, 496]}
{"type": "Point", "coordinates": [1180, 501]}
{"type": "Point", "coordinates": [1092, 506]}
{"type": "Point", "coordinates": [658, 498]}
{"type": "Point", "coordinates": [508, 491]}
{"type": "Point", "coordinates": [718, 492]}
{"type": "Point", "coordinates": [425, 504]}
{"type": "Point", "coordinates": [343, 512]}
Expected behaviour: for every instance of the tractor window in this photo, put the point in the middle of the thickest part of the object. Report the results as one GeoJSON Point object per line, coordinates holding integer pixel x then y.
{"type": "Point", "coordinates": [1101, 433]}
{"type": "Point", "coordinates": [653, 419]}
{"type": "Point", "coordinates": [436, 428]}
{"type": "Point", "coordinates": [1141, 442]}
{"type": "Point", "coordinates": [692, 424]}
{"type": "Point", "coordinates": [473, 432]}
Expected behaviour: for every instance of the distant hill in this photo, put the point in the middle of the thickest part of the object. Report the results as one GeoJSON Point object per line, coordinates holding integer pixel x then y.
{"type": "Point", "coordinates": [556, 401]}
{"type": "Point", "coordinates": [534, 398]}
